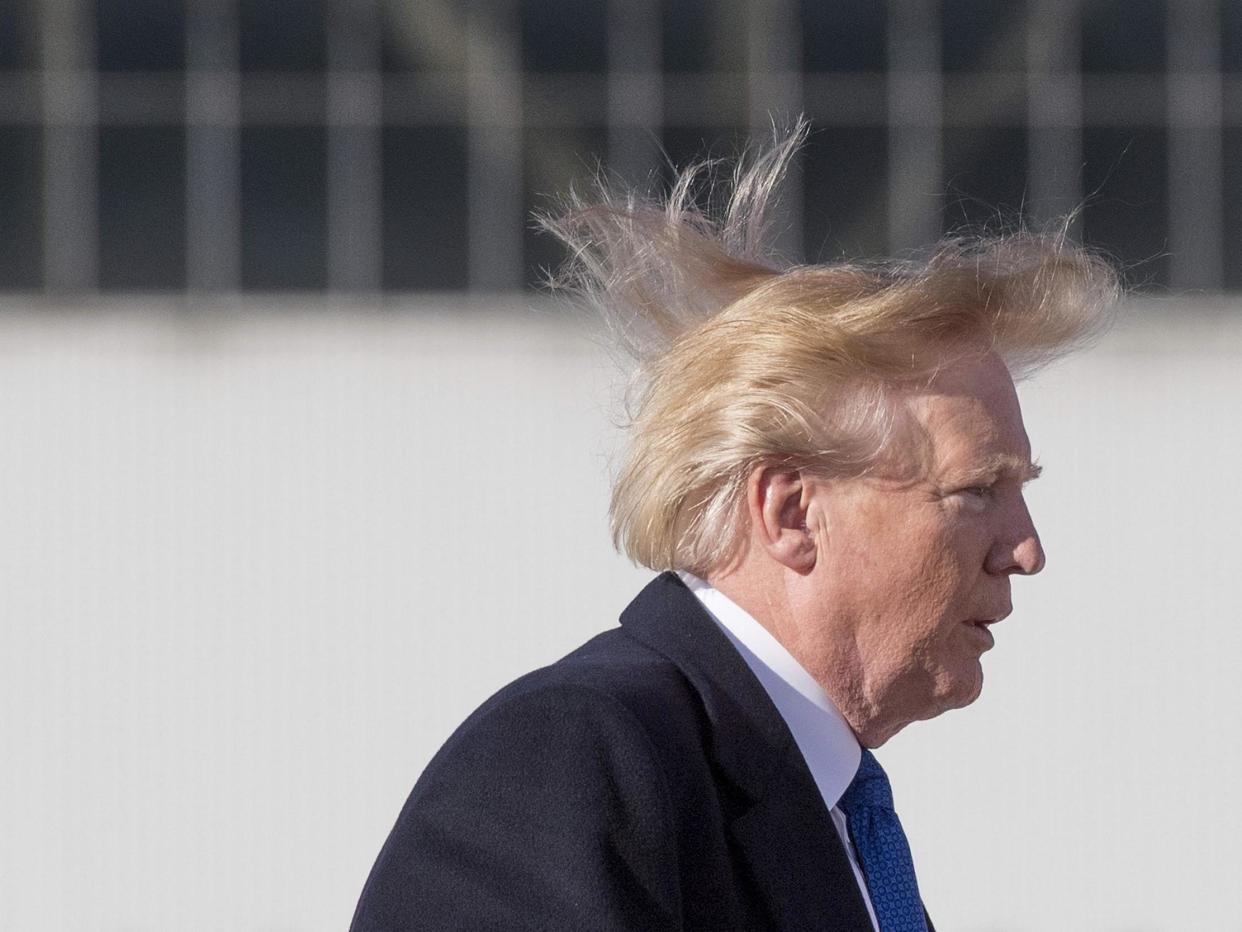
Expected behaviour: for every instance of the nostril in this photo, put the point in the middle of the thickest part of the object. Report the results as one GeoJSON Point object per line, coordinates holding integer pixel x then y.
{"type": "Point", "coordinates": [1025, 558]}
{"type": "Point", "coordinates": [1031, 556]}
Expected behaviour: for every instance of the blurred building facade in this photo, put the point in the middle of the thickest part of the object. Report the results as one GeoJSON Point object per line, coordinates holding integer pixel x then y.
{"type": "Point", "coordinates": [377, 146]}
{"type": "Point", "coordinates": [246, 594]}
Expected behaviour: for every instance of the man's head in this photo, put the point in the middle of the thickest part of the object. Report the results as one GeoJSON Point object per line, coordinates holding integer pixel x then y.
{"type": "Point", "coordinates": [837, 447]}
{"type": "Point", "coordinates": [884, 585]}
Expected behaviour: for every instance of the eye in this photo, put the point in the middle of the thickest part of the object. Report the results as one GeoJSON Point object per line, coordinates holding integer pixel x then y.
{"type": "Point", "coordinates": [976, 497]}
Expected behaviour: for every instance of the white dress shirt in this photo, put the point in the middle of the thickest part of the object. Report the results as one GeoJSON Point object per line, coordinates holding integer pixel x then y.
{"type": "Point", "coordinates": [831, 751]}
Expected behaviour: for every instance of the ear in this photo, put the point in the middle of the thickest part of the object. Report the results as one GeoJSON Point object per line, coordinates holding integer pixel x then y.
{"type": "Point", "coordinates": [776, 499]}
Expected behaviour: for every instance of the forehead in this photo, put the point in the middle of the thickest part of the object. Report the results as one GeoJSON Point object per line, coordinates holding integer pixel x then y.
{"type": "Point", "coordinates": [971, 420]}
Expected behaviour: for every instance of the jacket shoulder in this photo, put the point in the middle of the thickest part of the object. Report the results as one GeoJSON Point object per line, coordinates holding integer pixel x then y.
{"type": "Point", "coordinates": [526, 812]}
{"type": "Point", "coordinates": [622, 674]}
{"type": "Point", "coordinates": [612, 693]}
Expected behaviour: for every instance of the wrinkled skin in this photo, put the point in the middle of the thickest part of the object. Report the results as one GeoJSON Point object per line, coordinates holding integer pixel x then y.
{"type": "Point", "coordinates": [910, 565]}
{"type": "Point", "coordinates": [903, 565]}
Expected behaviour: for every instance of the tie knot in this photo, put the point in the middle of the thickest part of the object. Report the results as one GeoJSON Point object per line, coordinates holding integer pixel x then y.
{"type": "Point", "coordinates": [869, 788]}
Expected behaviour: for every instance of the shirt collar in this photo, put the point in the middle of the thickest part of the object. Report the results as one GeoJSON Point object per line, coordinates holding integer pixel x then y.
{"type": "Point", "coordinates": [831, 750]}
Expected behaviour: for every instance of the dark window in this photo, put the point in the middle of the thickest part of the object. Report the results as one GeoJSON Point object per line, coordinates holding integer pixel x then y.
{"type": "Point", "coordinates": [141, 208]}
{"type": "Point", "coordinates": [686, 144]}
{"type": "Point", "coordinates": [1123, 35]}
{"type": "Point", "coordinates": [1233, 209]}
{"type": "Point", "coordinates": [1231, 36]}
{"type": "Point", "coordinates": [985, 177]}
{"type": "Point", "coordinates": [283, 35]}
{"type": "Point", "coordinates": [694, 38]}
{"type": "Point", "coordinates": [18, 39]}
{"type": "Point", "coordinates": [284, 208]}
{"type": "Point", "coordinates": [555, 160]}
{"type": "Point", "coordinates": [140, 35]}
{"type": "Point", "coordinates": [1126, 213]}
{"type": "Point", "coordinates": [426, 208]}
{"type": "Point", "coordinates": [21, 229]}
{"type": "Point", "coordinates": [982, 35]}
{"type": "Point", "coordinates": [844, 171]}
{"type": "Point", "coordinates": [564, 35]}
{"type": "Point", "coordinates": [849, 35]}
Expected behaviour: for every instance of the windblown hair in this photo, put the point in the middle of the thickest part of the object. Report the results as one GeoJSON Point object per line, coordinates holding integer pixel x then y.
{"type": "Point", "coordinates": [743, 361]}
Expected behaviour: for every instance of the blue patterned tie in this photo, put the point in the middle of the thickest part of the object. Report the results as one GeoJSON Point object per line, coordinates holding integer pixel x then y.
{"type": "Point", "coordinates": [882, 848]}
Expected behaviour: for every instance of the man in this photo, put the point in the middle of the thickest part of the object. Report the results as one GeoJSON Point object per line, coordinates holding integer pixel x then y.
{"type": "Point", "coordinates": [828, 463]}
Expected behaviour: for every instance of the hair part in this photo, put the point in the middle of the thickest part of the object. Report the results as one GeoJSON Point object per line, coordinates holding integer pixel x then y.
{"type": "Point", "coordinates": [743, 362]}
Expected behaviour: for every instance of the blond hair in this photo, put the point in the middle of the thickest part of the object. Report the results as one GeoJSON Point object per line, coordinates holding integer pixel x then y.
{"type": "Point", "coordinates": [743, 361]}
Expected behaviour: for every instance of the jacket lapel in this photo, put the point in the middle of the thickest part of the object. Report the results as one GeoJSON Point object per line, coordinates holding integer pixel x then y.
{"type": "Point", "coordinates": [783, 830]}
{"type": "Point", "coordinates": [793, 850]}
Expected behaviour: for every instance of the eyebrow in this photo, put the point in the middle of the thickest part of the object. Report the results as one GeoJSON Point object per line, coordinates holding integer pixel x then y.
{"type": "Point", "coordinates": [1003, 465]}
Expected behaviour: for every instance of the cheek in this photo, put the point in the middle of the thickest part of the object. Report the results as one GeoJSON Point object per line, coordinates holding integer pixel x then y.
{"type": "Point", "coordinates": [909, 609]}
{"type": "Point", "coordinates": [961, 552]}
{"type": "Point", "coordinates": [907, 569]}
{"type": "Point", "coordinates": [932, 575]}
{"type": "Point", "coordinates": [927, 607]}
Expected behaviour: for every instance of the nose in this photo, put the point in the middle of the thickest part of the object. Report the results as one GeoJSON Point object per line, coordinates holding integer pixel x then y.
{"type": "Point", "coordinates": [1017, 550]}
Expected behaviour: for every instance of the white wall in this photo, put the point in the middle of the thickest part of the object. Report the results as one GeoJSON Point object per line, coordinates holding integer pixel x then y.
{"type": "Point", "coordinates": [258, 563]}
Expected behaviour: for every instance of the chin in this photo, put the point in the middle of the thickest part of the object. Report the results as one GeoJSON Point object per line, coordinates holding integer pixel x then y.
{"type": "Point", "coordinates": [960, 692]}
{"type": "Point", "coordinates": [968, 691]}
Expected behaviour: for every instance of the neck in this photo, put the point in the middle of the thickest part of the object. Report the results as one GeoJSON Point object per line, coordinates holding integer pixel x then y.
{"type": "Point", "coordinates": [826, 650]}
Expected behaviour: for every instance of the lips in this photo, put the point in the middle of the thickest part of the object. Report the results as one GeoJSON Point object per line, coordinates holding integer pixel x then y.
{"type": "Point", "coordinates": [990, 618]}
{"type": "Point", "coordinates": [981, 625]}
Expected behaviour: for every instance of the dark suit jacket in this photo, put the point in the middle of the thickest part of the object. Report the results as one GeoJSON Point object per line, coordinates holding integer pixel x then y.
{"type": "Point", "coordinates": [645, 782]}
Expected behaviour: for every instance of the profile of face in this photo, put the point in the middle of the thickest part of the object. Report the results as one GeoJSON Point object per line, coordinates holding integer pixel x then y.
{"type": "Point", "coordinates": [910, 574]}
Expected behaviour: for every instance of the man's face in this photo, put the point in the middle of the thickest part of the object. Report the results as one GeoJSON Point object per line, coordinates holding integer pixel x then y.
{"type": "Point", "coordinates": [914, 572]}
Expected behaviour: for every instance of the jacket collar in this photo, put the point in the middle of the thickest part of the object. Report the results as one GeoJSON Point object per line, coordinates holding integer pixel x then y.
{"type": "Point", "coordinates": [785, 834]}
{"type": "Point", "coordinates": [751, 738]}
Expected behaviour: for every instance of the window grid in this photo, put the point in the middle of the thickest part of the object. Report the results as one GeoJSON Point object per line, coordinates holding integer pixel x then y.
{"type": "Point", "coordinates": [1054, 110]}
{"type": "Point", "coordinates": [70, 150]}
{"type": "Point", "coordinates": [915, 103]}
{"type": "Point", "coordinates": [355, 108]}
{"type": "Point", "coordinates": [213, 149]}
{"type": "Point", "coordinates": [634, 100]}
{"type": "Point", "coordinates": [1196, 169]}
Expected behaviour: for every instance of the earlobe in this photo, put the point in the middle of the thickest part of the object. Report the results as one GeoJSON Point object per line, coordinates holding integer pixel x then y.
{"type": "Point", "coordinates": [777, 500]}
